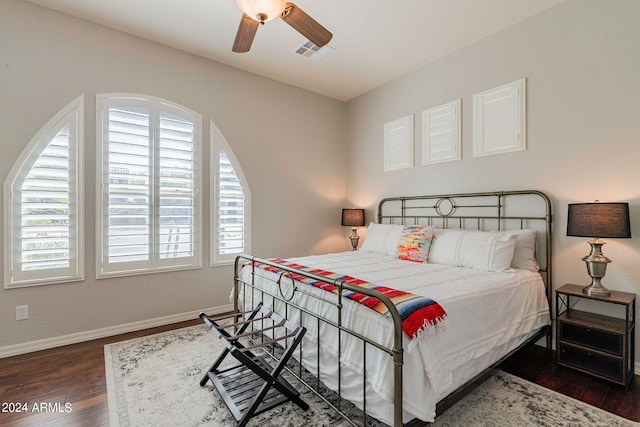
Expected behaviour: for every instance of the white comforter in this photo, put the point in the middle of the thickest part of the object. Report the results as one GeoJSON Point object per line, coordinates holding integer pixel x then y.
{"type": "Point", "coordinates": [488, 313]}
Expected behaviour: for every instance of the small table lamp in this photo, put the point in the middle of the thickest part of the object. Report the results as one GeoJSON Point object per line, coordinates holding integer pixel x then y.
{"type": "Point", "coordinates": [353, 218]}
{"type": "Point", "coordinates": [598, 220]}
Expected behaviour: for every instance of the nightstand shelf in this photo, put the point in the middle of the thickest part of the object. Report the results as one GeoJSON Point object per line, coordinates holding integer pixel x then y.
{"type": "Point", "coordinates": [602, 346]}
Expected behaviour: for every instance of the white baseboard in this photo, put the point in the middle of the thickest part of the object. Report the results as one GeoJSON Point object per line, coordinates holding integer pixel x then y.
{"type": "Point", "coordinates": [28, 347]}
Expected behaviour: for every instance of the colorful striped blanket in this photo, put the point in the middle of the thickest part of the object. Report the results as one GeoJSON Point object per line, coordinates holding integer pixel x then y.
{"type": "Point", "coordinates": [417, 313]}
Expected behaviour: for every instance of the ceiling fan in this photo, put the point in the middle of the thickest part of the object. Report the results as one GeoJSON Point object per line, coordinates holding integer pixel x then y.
{"type": "Point", "coordinates": [257, 12]}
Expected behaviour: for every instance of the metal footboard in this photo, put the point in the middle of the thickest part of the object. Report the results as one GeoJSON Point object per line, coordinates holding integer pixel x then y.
{"type": "Point", "coordinates": [246, 290]}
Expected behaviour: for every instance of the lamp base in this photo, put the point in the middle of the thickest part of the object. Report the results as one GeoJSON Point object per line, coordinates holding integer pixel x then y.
{"type": "Point", "coordinates": [354, 238]}
{"type": "Point", "coordinates": [596, 267]}
{"type": "Point", "coordinates": [598, 291]}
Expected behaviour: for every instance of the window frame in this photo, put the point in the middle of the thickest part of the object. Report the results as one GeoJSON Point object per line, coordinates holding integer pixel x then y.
{"type": "Point", "coordinates": [156, 106]}
{"type": "Point", "coordinates": [220, 144]}
{"type": "Point", "coordinates": [72, 115]}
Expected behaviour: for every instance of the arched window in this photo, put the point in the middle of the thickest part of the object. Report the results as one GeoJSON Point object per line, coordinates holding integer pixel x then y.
{"type": "Point", "coordinates": [43, 205]}
{"type": "Point", "coordinates": [149, 201]}
{"type": "Point", "coordinates": [231, 226]}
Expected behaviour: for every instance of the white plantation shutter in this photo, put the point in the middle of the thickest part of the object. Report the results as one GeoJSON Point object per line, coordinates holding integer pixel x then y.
{"type": "Point", "coordinates": [177, 187]}
{"type": "Point", "coordinates": [230, 209]}
{"type": "Point", "coordinates": [128, 185]}
{"type": "Point", "coordinates": [44, 227]}
{"type": "Point", "coordinates": [230, 229]}
{"type": "Point", "coordinates": [150, 217]}
{"type": "Point", "coordinates": [42, 195]}
{"type": "Point", "coordinates": [441, 135]}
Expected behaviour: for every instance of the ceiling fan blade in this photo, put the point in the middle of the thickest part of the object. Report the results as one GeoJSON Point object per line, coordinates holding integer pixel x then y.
{"type": "Point", "coordinates": [246, 32]}
{"type": "Point", "coordinates": [305, 25]}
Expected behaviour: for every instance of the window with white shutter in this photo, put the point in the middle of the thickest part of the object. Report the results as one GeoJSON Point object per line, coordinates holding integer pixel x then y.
{"type": "Point", "coordinates": [149, 206]}
{"type": "Point", "coordinates": [43, 205]}
{"type": "Point", "coordinates": [231, 222]}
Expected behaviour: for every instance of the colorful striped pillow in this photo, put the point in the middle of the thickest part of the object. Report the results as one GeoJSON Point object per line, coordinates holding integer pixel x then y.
{"type": "Point", "coordinates": [415, 242]}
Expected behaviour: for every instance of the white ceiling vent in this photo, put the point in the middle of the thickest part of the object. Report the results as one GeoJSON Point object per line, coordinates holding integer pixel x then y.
{"type": "Point", "coordinates": [313, 52]}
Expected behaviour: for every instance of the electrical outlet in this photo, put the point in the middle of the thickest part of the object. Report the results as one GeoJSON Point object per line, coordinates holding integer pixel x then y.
{"type": "Point", "coordinates": [22, 312]}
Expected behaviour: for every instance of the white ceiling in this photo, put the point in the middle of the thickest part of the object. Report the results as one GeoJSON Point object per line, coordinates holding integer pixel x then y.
{"type": "Point", "coordinates": [375, 41]}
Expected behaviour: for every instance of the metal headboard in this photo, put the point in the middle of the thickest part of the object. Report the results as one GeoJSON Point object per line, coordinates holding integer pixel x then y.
{"type": "Point", "coordinates": [491, 211]}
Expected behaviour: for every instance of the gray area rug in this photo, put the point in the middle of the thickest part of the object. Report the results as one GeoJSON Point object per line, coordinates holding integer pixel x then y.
{"type": "Point", "coordinates": [154, 381]}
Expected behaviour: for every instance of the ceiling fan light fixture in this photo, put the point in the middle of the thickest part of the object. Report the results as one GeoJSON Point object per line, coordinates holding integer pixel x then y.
{"type": "Point", "coordinates": [262, 10]}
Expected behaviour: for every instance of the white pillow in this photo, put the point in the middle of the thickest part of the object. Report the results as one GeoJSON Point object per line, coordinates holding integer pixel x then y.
{"type": "Point", "coordinates": [524, 255]}
{"type": "Point", "coordinates": [382, 238]}
{"type": "Point", "coordinates": [481, 250]}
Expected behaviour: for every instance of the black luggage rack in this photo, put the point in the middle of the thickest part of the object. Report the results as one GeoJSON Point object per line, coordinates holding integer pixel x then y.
{"type": "Point", "coordinates": [253, 386]}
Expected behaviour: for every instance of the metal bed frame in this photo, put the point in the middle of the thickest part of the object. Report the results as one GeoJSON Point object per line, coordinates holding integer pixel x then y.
{"type": "Point", "coordinates": [487, 211]}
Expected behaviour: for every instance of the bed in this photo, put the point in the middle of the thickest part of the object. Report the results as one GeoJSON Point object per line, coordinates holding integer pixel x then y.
{"type": "Point", "coordinates": [487, 264]}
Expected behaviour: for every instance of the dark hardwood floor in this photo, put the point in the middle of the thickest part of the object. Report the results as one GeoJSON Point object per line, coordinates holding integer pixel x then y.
{"type": "Point", "coordinates": [74, 376]}
{"type": "Point", "coordinates": [71, 374]}
{"type": "Point", "coordinates": [536, 364]}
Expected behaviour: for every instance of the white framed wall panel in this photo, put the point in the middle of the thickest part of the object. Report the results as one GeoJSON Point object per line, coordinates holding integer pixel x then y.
{"type": "Point", "coordinates": [499, 120]}
{"type": "Point", "coordinates": [441, 130]}
{"type": "Point", "coordinates": [398, 143]}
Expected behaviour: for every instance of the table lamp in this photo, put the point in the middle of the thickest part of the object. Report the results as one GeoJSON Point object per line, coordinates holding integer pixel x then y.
{"type": "Point", "coordinates": [353, 218]}
{"type": "Point", "coordinates": [596, 220]}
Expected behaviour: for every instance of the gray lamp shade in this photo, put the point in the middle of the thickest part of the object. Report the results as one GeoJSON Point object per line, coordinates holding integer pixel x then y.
{"type": "Point", "coordinates": [608, 220]}
{"type": "Point", "coordinates": [353, 217]}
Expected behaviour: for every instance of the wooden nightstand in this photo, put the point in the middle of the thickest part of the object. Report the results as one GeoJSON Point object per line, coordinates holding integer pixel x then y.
{"type": "Point", "coordinates": [600, 345]}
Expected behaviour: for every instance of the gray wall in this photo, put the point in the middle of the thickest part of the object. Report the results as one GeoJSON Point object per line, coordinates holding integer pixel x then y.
{"type": "Point", "coordinates": [48, 59]}
{"type": "Point", "coordinates": [581, 60]}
